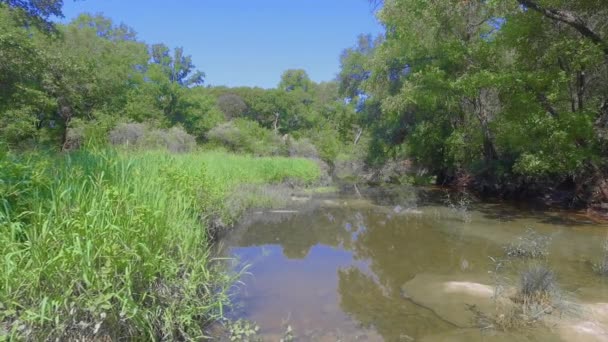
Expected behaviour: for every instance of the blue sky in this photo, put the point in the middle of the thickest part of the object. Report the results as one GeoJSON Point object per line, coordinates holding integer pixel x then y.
{"type": "Point", "coordinates": [245, 42]}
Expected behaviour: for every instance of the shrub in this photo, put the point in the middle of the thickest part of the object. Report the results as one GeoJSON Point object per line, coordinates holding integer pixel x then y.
{"type": "Point", "coordinates": [174, 139]}
{"type": "Point", "coordinates": [232, 105]}
{"type": "Point", "coordinates": [327, 143]}
{"type": "Point", "coordinates": [127, 134]}
{"type": "Point", "coordinates": [301, 148]}
{"type": "Point", "coordinates": [141, 136]}
{"type": "Point", "coordinates": [246, 136]}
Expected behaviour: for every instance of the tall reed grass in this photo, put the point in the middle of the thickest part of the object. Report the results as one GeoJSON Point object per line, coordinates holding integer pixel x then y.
{"type": "Point", "coordinates": [112, 245]}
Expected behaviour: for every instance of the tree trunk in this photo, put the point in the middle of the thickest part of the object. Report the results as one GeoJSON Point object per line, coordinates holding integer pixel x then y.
{"type": "Point", "coordinates": [275, 124]}
{"type": "Point", "coordinates": [359, 133]}
{"type": "Point", "coordinates": [483, 115]}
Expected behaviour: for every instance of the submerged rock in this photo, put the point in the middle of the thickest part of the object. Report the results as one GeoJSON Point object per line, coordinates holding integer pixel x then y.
{"type": "Point", "coordinates": [449, 298]}
{"type": "Point", "coordinates": [583, 331]}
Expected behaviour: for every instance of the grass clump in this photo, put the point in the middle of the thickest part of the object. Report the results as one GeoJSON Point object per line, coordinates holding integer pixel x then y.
{"type": "Point", "coordinates": [535, 294]}
{"type": "Point", "coordinates": [536, 281]}
{"type": "Point", "coordinates": [601, 267]}
{"type": "Point", "coordinates": [525, 304]}
{"type": "Point", "coordinates": [111, 245]}
{"type": "Point", "coordinates": [531, 245]}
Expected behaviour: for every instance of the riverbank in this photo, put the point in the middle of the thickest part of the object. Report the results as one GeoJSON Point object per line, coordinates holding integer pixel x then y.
{"type": "Point", "coordinates": [114, 245]}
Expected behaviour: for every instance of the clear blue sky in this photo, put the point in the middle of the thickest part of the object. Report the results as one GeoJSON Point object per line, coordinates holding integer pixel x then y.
{"type": "Point", "coordinates": [245, 42]}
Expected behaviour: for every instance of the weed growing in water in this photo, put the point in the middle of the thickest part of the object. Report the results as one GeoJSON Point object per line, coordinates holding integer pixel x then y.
{"type": "Point", "coordinates": [288, 335]}
{"type": "Point", "coordinates": [601, 267]}
{"type": "Point", "coordinates": [243, 330]}
{"type": "Point", "coordinates": [534, 295]}
{"type": "Point", "coordinates": [530, 245]}
{"type": "Point", "coordinates": [459, 206]}
{"type": "Point", "coordinates": [536, 282]}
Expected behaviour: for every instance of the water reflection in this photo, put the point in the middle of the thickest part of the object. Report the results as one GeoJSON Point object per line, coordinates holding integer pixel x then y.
{"type": "Point", "coordinates": [340, 264]}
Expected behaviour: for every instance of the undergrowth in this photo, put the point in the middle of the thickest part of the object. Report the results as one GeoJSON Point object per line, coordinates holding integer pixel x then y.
{"type": "Point", "coordinates": [112, 245]}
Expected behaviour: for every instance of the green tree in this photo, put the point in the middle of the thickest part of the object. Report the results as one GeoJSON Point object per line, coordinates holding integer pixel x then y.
{"type": "Point", "coordinates": [295, 79]}
{"type": "Point", "coordinates": [178, 67]}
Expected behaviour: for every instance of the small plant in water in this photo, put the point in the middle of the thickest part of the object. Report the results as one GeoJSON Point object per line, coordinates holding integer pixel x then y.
{"type": "Point", "coordinates": [530, 245]}
{"type": "Point", "coordinates": [601, 267]}
{"type": "Point", "coordinates": [522, 303]}
{"type": "Point", "coordinates": [243, 330]}
{"type": "Point", "coordinates": [459, 206]}
{"type": "Point", "coordinates": [537, 282]}
{"type": "Point", "coordinates": [288, 335]}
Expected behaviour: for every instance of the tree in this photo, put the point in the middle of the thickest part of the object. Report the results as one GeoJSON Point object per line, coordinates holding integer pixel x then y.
{"type": "Point", "coordinates": [295, 79]}
{"type": "Point", "coordinates": [354, 66]}
{"type": "Point", "coordinates": [37, 12]}
{"type": "Point", "coordinates": [499, 90]}
{"type": "Point", "coordinates": [178, 67]}
{"type": "Point", "coordinates": [231, 105]}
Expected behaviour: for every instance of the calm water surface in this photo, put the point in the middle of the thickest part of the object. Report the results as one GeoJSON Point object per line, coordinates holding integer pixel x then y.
{"type": "Point", "coordinates": [390, 265]}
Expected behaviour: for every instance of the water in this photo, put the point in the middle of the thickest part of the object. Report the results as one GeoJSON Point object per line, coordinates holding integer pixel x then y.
{"type": "Point", "coordinates": [402, 265]}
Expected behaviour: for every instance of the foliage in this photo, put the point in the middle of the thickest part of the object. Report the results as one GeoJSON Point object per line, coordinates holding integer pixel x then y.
{"type": "Point", "coordinates": [37, 12]}
{"type": "Point", "coordinates": [140, 136]}
{"type": "Point", "coordinates": [537, 281]}
{"type": "Point", "coordinates": [508, 92]}
{"type": "Point", "coordinates": [295, 80]}
{"type": "Point", "coordinates": [302, 148]}
{"type": "Point", "coordinates": [243, 331]}
{"type": "Point", "coordinates": [242, 135]}
{"type": "Point", "coordinates": [231, 105]}
{"type": "Point", "coordinates": [530, 245]}
{"type": "Point", "coordinates": [110, 245]}
{"type": "Point", "coordinates": [601, 267]}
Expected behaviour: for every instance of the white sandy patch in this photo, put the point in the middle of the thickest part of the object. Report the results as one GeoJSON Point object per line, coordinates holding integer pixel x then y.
{"type": "Point", "coordinates": [469, 288]}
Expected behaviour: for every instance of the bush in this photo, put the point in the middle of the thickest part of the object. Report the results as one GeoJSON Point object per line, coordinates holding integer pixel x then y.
{"type": "Point", "coordinates": [128, 134]}
{"type": "Point", "coordinates": [327, 143]}
{"type": "Point", "coordinates": [246, 136]}
{"type": "Point", "coordinates": [232, 105]}
{"type": "Point", "coordinates": [301, 148]}
{"type": "Point", "coordinates": [141, 136]}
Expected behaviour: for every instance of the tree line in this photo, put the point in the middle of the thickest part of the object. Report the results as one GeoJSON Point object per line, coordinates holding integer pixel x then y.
{"type": "Point", "coordinates": [507, 96]}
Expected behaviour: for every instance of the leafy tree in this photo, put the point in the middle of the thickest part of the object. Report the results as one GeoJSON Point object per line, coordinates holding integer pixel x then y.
{"type": "Point", "coordinates": [178, 67]}
{"type": "Point", "coordinates": [231, 105]}
{"type": "Point", "coordinates": [36, 12]}
{"type": "Point", "coordinates": [295, 79]}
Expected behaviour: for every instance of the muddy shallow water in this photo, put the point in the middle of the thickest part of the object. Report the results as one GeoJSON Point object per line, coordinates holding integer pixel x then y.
{"type": "Point", "coordinates": [403, 265]}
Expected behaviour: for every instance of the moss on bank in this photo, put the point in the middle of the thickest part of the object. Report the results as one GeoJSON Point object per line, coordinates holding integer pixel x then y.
{"type": "Point", "coordinates": [112, 244]}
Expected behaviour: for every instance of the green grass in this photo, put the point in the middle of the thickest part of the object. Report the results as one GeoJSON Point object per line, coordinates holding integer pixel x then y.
{"type": "Point", "coordinates": [112, 244]}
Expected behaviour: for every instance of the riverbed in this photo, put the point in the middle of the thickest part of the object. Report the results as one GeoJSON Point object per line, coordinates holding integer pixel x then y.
{"type": "Point", "coordinates": [407, 264]}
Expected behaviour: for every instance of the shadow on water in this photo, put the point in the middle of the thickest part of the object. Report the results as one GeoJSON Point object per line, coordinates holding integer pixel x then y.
{"type": "Point", "coordinates": [336, 268]}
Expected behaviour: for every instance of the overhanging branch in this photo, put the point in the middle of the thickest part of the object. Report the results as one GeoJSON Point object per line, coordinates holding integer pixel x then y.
{"type": "Point", "coordinates": [570, 18]}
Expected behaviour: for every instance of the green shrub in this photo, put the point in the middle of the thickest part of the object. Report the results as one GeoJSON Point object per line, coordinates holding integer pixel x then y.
{"type": "Point", "coordinates": [302, 148]}
{"type": "Point", "coordinates": [246, 136]}
{"type": "Point", "coordinates": [140, 136]}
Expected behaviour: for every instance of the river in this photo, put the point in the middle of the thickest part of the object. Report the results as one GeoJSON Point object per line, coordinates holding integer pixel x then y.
{"type": "Point", "coordinates": [405, 264]}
